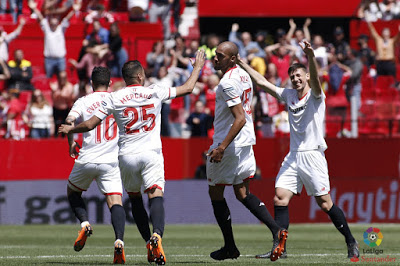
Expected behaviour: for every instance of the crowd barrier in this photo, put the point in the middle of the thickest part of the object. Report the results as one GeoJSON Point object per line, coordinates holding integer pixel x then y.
{"type": "Point", "coordinates": [364, 182]}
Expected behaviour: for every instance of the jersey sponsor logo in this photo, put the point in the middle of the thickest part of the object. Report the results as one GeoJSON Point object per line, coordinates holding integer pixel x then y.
{"type": "Point", "coordinates": [296, 110]}
{"type": "Point", "coordinates": [227, 89]}
{"type": "Point", "coordinates": [93, 107]}
{"type": "Point", "coordinates": [135, 95]}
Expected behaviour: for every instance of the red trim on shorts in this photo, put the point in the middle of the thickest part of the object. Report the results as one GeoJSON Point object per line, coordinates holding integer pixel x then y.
{"type": "Point", "coordinates": [113, 193]}
{"type": "Point", "coordinates": [232, 99]}
{"type": "Point", "coordinates": [250, 177]}
{"type": "Point", "coordinates": [133, 193]}
{"type": "Point", "coordinates": [103, 112]}
{"type": "Point", "coordinates": [76, 186]}
{"type": "Point", "coordinates": [153, 186]}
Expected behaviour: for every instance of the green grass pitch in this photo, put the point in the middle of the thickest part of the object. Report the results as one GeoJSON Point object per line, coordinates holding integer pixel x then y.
{"type": "Point", "coordinates": [308, 244]}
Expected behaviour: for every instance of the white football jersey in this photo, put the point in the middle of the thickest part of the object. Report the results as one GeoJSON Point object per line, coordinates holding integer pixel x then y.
{"type": "Point", "coordinates": [306, 119]}
{"type": "Point", "coordinates": [234, 88]}
{"type": "Point", "coordinates": [100, 144]}
{"type": "Point", "coordinates": [137, 112]}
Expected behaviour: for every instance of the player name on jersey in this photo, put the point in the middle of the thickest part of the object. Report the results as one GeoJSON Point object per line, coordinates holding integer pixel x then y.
{"type": "Point", "coordinates": [135, 95]}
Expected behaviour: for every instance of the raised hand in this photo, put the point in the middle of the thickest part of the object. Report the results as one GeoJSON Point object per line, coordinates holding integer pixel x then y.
{"type": "Point", "coordinates": [235, 27]}
{"type": "Point", "coordinates": [306, 46]}
{"type": "Point", "coordinates": [200, 59]}
{"type": "Point", "coordinates": [291, 23]}
{"type": "Point", "coordinates": [307, 22]}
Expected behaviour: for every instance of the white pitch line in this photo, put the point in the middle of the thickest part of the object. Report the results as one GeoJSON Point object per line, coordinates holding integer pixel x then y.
{"type": "Point", "coordinates": [171, 255]}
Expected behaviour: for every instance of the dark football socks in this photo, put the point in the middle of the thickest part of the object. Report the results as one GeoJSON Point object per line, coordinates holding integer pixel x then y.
{"type": "Point", "coordinates": [223, 216]}
{"type": "Point", "coordinates": [141, 217]}
{"type": "Point", "coordinates": [339, 220]}
{"type": "Point", "coordinates": [157, 215]}
{"type": "Point", "coordinates": [78, 206]}
{"type": "Point", "coordinates": [118, 217]}
{"type": "Point", "coordinates": [282, 216]}
{"type": "Point", "coordinates": [259, 210]}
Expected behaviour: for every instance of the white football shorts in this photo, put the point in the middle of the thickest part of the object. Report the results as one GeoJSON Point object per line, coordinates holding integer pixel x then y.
{"type": "Point", "coordinates": [145, 168]}
{"type": "Point", "coordinates": [107, 176]}
{"type": "Point", "coordinates": [308, 168]}
{"type": "Point", "coordinates": [236, 165]}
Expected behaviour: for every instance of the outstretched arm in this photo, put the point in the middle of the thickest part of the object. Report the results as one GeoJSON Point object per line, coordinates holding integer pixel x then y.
{"type": "Point", "coordinates": [33, 5]}
{"type": "Point", "coordinates": [82, 127]}
{"type": "Point", "coordinates": [291, 30]}
{"type": "Point", "coordinates": [312, 65]}
{"type": "Point", "coordinates": [75, 8]}
{"type": "Point", "coordinates": [191, 82]}
{"type": "Point", "coordinates": [397, 37]}
{"type": "Point", "coordinates": [306, 31]}
{"type": "Point", "coordinates": [259, 79]}
{"type": "Point", "coordinates": [240, 120]}
{"type": "Point", "coordinates": [372, 29]}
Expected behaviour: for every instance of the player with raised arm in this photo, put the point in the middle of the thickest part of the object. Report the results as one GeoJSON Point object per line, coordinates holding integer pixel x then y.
{"type": "Point", "coordinates": [137, 112]}
{"type": "Point", "coordinates": [305, 164]}
{"type": "Point", "coordinates": [98, 159]}
{"type": "Point", "coordinates": [231, 158]}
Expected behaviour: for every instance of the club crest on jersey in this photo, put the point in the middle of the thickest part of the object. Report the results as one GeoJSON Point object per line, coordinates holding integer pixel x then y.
{"type": "Point", "coordinates": [298, 109]}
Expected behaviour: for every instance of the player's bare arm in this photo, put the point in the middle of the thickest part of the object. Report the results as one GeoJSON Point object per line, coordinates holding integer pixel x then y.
{"type": "Point", "coordinates": [240, 120]}
{"type": "Point", "coordinates": [82, 127]}
{"type": "Point", "coordinates": [191, 82]}
{"type": "Point", "coordinates": [312, 65]}
{"type": "Point", "coordinates": [33, 5]}
{"type": "Point", "coordinates": [259, 79]}
{"type": "Point", "coordinates": [73, 145]}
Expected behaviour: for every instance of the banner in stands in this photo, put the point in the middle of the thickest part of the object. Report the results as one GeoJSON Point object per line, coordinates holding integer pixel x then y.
{"type": "Point", "coordinates": [186, 201]}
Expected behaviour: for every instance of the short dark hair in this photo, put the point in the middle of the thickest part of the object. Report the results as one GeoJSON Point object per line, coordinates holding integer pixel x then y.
{"type": "Point", "coordinates": [100, 76]}
{"type": "Point", "coordinates": [131, 68]}
{"type": "Point", "coordinates": [295, 66]}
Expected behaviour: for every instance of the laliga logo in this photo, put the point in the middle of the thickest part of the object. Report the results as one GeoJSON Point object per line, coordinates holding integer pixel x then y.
{"type": "Point", "coordinates": [373, 237]}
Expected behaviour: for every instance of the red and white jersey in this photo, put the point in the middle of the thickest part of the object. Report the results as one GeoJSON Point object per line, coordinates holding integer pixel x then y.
{"type": "Point", "coordinates": [306, 119]}
{"type": "Point", "coordinates": [234, 88]}
{"type": "Point", "coordinates": [100, 145]}
{"type": "Point", "coordinates": [137, 112]}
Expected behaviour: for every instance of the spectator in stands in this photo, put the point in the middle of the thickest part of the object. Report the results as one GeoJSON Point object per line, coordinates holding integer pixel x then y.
{"type": "Point", "coordinates": [63, 95]}
{"type": "Point", "coordinates": [137, 9]}
{"type": "Point", "coordinates": [340, 43]}
{"type": "Point", "coordinates": [210, 93]}
{"type": "Point", "coordinates": [320, 51]}
{"type": "Point", "coordinates": [385, 51]}
{"type": "Point", "coordinates": [353, 84]}
{"type": "Point", "coordinates": [161, 9]}
{"type": "Point", "coordinates": [4, 71]}
{"type": "Point", "coordinates": [156, 58]}
{"type": "Point", "coordinates": [99, 13]}
{"type": "Point", "coordinates": [119, 53]}
{"type": "Point", "coordinates": [99, 35]}
{"type": "Point", "coordinates": [248, 49]}
{"type": "Point", "coordinates": [6, 38]}
{"type": "Point", "coordinates": [39, 116]}
{"type": "Point", "coordinates": [389, 9]}
{"type": "Point", "coordinates": [12, 5]}
{"type": "Point", "coordinates": [198, 121]}
{"type": "Point", "coordinates": [369, 10]}
{"type": "Point", "coordinates": [15, 124]}
{"type": "Point", "coordinates": [54, 39]}
{"type": "Point", "coordinates": [336, 71]}
{"type": "Point", "coordinates": [281, 56]}
{"type": "Point", "coordinates": [56, 7]}
{"type": "Point", "coordinates": [261, 39]}
{"type": "Point", "coordinates": [295, 36]}
{"type": "Point", "coordinates": [366, 54]}
{"type": "Point", "coordinates": [211, 43]}
{"type": "Point", "coordinates": [21, 72]}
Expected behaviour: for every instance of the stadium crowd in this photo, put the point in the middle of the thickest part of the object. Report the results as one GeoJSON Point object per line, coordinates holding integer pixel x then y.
{"type": "Point", "coordinates": [341, 72]}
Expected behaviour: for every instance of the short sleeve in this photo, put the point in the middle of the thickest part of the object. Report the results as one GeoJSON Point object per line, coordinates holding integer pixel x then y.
{"type": "Point", "coordinates": [76, 110]}
{"type": "Point", "coordinates": [229, 92]}
{"type": "Point", "coordinates": [106, 107]}
{"type": "Point", "coordinates": [282, 94]}
{"type": "Point", "coordinates": [165, 93]}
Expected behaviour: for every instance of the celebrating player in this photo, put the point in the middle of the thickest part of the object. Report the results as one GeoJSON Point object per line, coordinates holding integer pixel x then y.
{"type": "Point", "coordinates": [305, 164]}
{"type": "Point", "coordinates": [231, 158]}
{"type": "Point", "coordinates": [137, 113]}
{"type": "Point", "coordinates": [98, 159]}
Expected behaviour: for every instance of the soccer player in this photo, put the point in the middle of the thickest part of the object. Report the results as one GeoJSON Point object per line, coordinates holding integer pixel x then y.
{"type": "Point", "coordinates": [137, 113]}
{"type": "Point", "coordinates": [98, 159]}
{"type": "Point", "coordinates": [305, 164]}
{"type": "Point", "coordinates": [231, 158]}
